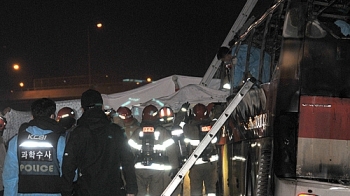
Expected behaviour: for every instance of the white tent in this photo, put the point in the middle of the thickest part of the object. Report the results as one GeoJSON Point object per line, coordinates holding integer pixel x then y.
{"type": "Point", "coordinates": [192, 93]}
{"type": "Point", "coordinates": [156, 89]}
{"type": "Point", "coordinates": [158, 92]}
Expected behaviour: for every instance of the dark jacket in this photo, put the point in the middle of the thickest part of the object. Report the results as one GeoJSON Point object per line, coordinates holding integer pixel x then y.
{"type": "Point", "coordinates": [193, 132]}
{"type": "Point", "coordinates": [97, 148]}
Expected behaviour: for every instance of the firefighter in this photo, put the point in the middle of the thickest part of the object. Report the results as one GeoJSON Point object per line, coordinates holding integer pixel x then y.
{"type": "Point", "coordinates": [205, 168]}
{"type": "Point", "coordinates": [110, 113]}
{"type": "Point", "coordinates": [34, 158]}
{"type": "Point", "coordinates": [125, 119]}
{"type": "Point", "coordinates": [130, 124]}
{"type": "Point", "coordinates": [66, 118]}
{"type": "Point", "coordinates": [155, 153]}
{"type": "Point", "coordinates": [166, 119]}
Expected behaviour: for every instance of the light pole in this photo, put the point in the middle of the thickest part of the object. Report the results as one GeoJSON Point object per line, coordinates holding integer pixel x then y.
{"type": "Point", "coordinates": [98, 25]}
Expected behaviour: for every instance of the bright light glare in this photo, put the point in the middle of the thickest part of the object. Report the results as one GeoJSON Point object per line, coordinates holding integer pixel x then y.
{"type": "Point", "coordinates": [21, 84]}
{"type": "Point", "coordinates": [227, 86]}
{"type": "Point", "coordinates": [16, 67]}
{"type": "Point", "coordinates": [99, 25]}
{"type": "Point", "coordinates": [154, 166]}
{"type": "Point", "coordinates": [177, 132]}
{"type": "Point", "coordinates": [35, 144]}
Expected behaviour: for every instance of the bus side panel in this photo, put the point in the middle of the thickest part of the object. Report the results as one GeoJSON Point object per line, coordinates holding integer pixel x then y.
{"type": "Point", "coordinates": [324, 118]}
{"type": "Point", "coordinates": [293, 187]}
{"type": "Point", "coordinates": [324, 138]}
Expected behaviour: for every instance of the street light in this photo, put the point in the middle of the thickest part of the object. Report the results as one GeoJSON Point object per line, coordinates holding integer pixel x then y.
{"type": "Point", "coordinates": [17, 73]}
{"type": "Point", "coordinates": [98, 25]}
{"type": "Point", "coordinates": [16, 67]}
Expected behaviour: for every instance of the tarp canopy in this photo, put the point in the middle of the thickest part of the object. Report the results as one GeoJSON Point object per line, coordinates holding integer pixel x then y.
{"type": "Point", "coordinates": [159, 93]}
{"type": "Point", "coordinates": [192, 93]}
{"type": "Point", "coordinates": [156, 89]}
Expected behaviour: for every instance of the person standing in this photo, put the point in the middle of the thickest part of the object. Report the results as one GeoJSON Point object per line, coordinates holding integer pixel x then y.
{"type": "Point", "coordinates": [155, 153]}
{"type": "Point", "coordinates": [97, 148]}
{"type": "Point", "coordinates": [67, 119]}
{"type": "Point", "coordinates": [34, 157]}
{"type": "Point", "coordinates": [205, 168]}
{"type": "Point", "coordinates": [130, 123]}
{"type": "Point", "coordinates": [166, 119]}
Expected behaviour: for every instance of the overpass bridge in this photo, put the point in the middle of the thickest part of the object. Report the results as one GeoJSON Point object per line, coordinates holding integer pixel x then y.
{"type": "Point", "coordinates": [21, 99]}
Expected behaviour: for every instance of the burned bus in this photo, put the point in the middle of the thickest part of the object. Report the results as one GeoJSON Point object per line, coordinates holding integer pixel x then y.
{"type": "Point", "coordinates": [291, 135]}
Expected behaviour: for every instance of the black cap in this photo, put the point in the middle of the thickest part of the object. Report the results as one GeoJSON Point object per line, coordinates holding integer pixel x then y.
{"type": "Point", "coordinates": [91, 98]}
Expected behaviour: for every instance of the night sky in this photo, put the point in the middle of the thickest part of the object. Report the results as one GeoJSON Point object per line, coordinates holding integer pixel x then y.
{"type": "Point", "coordinates": [139, 39]}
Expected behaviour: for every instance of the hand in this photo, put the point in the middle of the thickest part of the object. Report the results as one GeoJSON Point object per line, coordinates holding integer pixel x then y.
{"type": "Point", "coordinates": [185, 106]}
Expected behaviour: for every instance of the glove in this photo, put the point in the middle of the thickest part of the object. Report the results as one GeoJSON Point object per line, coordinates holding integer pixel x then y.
{"type": "Point", "coordinates": [172, 173]}
{"type": "Point", "coordinates": [181, 114]}
{"type": "Point", "coordinates": [185, 106]}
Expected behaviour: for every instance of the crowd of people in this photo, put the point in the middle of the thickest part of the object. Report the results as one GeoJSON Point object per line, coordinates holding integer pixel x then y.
{"type": "Point", "coordinates": [57, 153]}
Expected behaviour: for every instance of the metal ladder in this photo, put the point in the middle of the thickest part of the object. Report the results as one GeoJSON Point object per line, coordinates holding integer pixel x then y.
{"type": "Point", "coordinates": [207, 139]}
{"type": "Point", "coordinates": [240, 21]}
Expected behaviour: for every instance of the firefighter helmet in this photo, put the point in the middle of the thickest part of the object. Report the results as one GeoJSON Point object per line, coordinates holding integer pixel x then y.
{"type": "Point", "coordinates": [149, 113]}
{"type": "Point", "coordinates": [2, 122]}
{"type": "Point", "coordinates": [166, 115]}
{"type": "Point", "coordinates": [125, 113]}
{"type": "Point", "coordinates": [66, 117]}
{"type": "Point", "coordinates": [200, 112]}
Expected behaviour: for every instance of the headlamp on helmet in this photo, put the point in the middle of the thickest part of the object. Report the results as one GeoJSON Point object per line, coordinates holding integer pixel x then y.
{"type": "Point", "coordinates": [166, 115]}
{"type": "Point", "coordinates": [200, 112]}
{"type": "Point", "coordinates": [149, 113]}
{"type": "Point", "coordinates": [124, 113]}
{"type": "Point", "coordinates": [66, 117]}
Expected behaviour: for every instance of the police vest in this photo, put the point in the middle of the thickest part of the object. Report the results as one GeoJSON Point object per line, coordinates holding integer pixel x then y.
{"type": "Point", "coordinates": [38, 165]}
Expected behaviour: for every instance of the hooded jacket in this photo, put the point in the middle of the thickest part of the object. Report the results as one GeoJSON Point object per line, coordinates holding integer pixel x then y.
{"type": "Point", "coordinates": [98, 148]}
{"type": "Point", "coordinates": [37, 127]}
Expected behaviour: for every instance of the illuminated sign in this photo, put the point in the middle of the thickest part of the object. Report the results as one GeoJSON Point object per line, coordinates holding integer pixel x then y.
{"type": "Point", "coordinates": [206, 128]}
{"type": "Point", "coordinates": [148, 129]}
